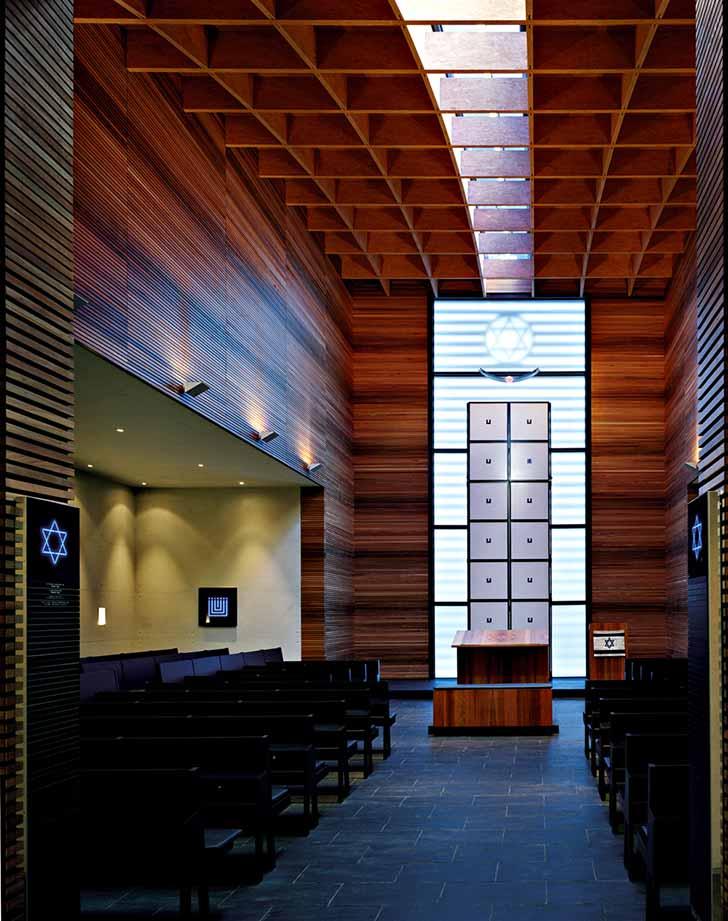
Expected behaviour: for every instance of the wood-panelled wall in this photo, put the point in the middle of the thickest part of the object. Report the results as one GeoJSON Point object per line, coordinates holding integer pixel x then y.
{"type": "Point", "coordinates": [681, 440]}
{"type": "Point", "coordinates": [190, 267]}
{"type": "Point", "coordinates": [36, 422]}
{"type": "Point", "coordinates": [391, 462]}
{"type": "Point", "coordinates": [628, 470]}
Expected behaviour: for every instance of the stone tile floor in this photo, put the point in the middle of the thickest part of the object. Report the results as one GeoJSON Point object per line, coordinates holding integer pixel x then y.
{"type": "Point", "coordinates": [469, 829]}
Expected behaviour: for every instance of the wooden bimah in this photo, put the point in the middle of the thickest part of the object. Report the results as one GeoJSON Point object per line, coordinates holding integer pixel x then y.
{"type": "Point", "coordinates": [503, 685]}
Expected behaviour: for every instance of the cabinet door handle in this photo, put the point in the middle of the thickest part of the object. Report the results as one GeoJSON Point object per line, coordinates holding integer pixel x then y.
{"type": "Point", "coordinates": [530, 620]}
{"type": "Point", "coordinates": [529, 421]}
{"type": "Point", "coordinates": [488, 501]}
{"type": "Point", "coordinates": [489, 620]}
{"type": "Point", "coordinates": [487, 421]}
{"type": "Point", "coordinates": [529, 540]}
{"type": "Point", "coordinates": [529, 500]}
{"type": "Point", "coordinates": [529, 460]}
{"type": "Point", "coordinates": [488, 460]}
{"type": "Point", "coordinates": [489, 540]}
{"type": "Point", "coordinates": [529, 579]}
{"type": "Point", "coordinates": [488, 579]}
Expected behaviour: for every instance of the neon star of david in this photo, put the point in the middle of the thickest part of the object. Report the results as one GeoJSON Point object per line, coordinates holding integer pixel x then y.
{"type": "Point", "coordinates": [697, 530]}
{"type": "Point", "coordinates": [54, 542]}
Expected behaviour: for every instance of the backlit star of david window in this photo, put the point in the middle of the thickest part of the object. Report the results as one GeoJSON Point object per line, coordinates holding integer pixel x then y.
{"type": "Point", "coordinates": [54, 542]}
{"type": "Point", "coordinates": [509, 339]}
{"type": "Point", "coordinates": [697, 530]}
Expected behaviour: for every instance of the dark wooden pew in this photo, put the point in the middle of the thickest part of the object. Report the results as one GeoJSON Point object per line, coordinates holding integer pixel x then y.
{"type": "Point", "coordinates": [146, 825]}
{"type": "Point", "coordinates": [296, 742]}
{"type": "Point", "coordinates": [662, 841]}
{"type": "Point", "coordinates": [613, 760]}
{"type": "Point", "coordinates": [601, 724]}
{"type": "Point", "coordinates": [641, 749]}
{"type": "Point", "coordinates": [616, 690]}
{"type": "Point", "coordinates": [234, 774]}
{"type": "Point", "coordinates": [282, 675]}
{"type": "Point", "coordinates": [363, 716]}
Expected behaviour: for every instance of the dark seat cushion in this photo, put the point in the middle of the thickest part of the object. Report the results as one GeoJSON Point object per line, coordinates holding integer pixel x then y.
{"type": "Point", "coordinates": [272, 655]}
{"type": "Point", "coordinates": [209, 665]}
{"type": "Point", "coordinates": [255, 657]}
{"type": "Point", "coordinates": [95, 682]}
{"type": "Point", "coordinates": [137, 672]}
{"type": "Point", "coordinates": [232, 663]}
{"type": "Point", "coordinates": [113, 665]}
{"type": "Point", "coordinates": [175, 672]}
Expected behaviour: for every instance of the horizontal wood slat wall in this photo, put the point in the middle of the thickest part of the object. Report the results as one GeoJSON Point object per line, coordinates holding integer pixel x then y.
{"type": "Point", "coordinates": [391, 462]}
{"type": "Point", "coordinates": [628, 470]}
{"type": "Point", "coordinates": [711, 275]}
{"type": "Point", "coordinates": [681, 440]}
{"type": "Point", "coordinates": [37, 448]}
{"type": "Point", "coordinates": [188, 266]}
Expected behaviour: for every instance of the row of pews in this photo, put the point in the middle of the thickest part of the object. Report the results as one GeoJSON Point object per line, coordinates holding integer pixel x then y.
{"type": "Point", "coordinates": [636, 742]}
{"type": "Point", "coordinates": [175, 771]}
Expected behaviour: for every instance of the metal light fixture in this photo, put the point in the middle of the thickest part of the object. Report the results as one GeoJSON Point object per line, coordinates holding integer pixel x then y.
{"type": "Point", "coordinates": [192, 388]}
{"type": "Point", "coordinates": [313, 467]}
{"type": "Point", "coordinates": [509, 377]}
{"type": "Point", "coordinates": [265, 436]}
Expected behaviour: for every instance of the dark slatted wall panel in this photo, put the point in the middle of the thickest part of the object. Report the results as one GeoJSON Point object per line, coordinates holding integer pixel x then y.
{"type": "Point", "coordinates": [190, 266]}
{"type": "Point", "coordinates": [681, 439]}
{"type": "Point", "coordinates": [37, 420]}
{"type": "Point", "coordinates": [628, 470]}
{"type": "Point", "coordinates": [391, 579]}
{"type": "Point", "coordinates": [711, 274]}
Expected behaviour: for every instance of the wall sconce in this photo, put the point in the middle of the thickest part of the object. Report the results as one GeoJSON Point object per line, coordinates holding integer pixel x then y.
{"type": "Point", "coordinates": [101, 617]}
{"type": "Point", "coordinates": [506, 377]}
{"type": "Point", "coordinates": [265, 436]}
{"type": "Point", "coordinates": [691, 469]}
{"type": "Point", "coordinates": [192, 388]}
{"type": "Point", "coordinates": [313, 467]}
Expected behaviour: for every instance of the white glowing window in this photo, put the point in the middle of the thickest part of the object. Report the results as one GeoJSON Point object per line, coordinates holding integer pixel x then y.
{"type": "Point", "coordinates": [511, 335]}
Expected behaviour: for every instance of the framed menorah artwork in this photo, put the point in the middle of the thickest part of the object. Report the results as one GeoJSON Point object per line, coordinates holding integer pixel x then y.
{"type": "Point", "coordinates": [218, 607]}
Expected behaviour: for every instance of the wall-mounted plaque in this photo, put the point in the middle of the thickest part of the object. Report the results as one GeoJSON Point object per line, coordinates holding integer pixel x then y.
{"type": "Point", "coordinates": [218, 607]}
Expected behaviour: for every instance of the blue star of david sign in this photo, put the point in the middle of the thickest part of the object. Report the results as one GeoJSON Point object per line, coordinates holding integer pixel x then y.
{"type": "Point", "coordinates": [54, 542]}
{"type": "Point", "coordinates": [697, 530]}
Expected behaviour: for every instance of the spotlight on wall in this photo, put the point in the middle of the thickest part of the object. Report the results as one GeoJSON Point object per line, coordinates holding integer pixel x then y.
{"type": "Point", "coordinates": [192, 388]}
{"type": "Point", "coordinates": [265, 436]}
{"type": "Point", "coordinates": [312, 468]}
{"type": "Point", "coordinates": [101, 617]}
{"type": "Point", "coordinates": [509, 377]}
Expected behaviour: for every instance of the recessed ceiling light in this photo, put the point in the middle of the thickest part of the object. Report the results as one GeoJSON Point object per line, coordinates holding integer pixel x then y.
{"type": "Point", "coordinates": [265, 436]}
{"type": "Point", "coordinates": [119, 430]}
{"type": "Point", "coordinates": [89, 465]}
{"type": "Point", "coordinates": [241, 482]}
{"type": "Point", "coordinates": [144, 482]}
{"type": "Point", "coordinates": [200, 465]}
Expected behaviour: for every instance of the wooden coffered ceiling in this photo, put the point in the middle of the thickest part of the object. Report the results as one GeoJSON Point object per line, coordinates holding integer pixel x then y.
{"type": "Point", "coordinates": [502, 147]}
